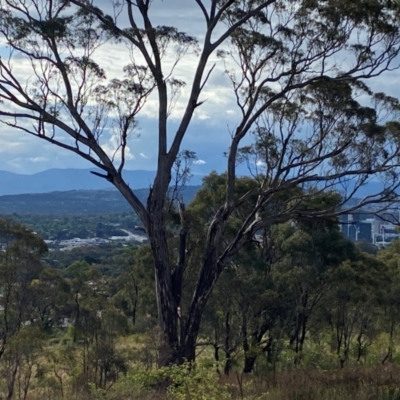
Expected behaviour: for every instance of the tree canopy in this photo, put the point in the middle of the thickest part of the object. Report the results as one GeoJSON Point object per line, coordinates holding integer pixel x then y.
{"type": "Point", "coordinates": [307, 120]}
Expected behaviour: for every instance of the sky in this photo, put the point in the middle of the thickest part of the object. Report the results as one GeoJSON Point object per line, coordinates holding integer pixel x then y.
{"type": "Point", "coordinates": [208, 135]}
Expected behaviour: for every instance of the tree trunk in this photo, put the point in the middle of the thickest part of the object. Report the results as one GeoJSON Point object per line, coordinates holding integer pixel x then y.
{"type": "Point", "coordinates": [180, 346]}
{"type": "Point", "coordinates": [209, 273]}
{"type": "Point", "coordinates": [389, 354]}
{"type": "Point", "coordinates": [74, 338]}
{"type": "Point", "coordinates": [228, 351]}
{"type": "Point", "coordinates": [249, 362]}
{"type": "Point", "coordinates": [166, 303]}
{"type": "Point", "coordinates": [303, 332]}
{"type": "Point", "coordinates": [168, 319]}
{"type": "Point", "coordinates": [191, 327]}
{"type": "Point", "coordinates": [11, 382]}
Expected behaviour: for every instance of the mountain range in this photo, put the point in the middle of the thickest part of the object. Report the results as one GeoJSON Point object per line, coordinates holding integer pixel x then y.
{"type": "Point", "coordinates": [68, 179]}
{"type": "Point", "coordinates": [76, 202]}
{"type": "Point", "coordinates": [78, 191]}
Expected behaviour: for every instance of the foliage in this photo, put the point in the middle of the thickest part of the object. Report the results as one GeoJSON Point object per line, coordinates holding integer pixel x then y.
{"type": "Point", "coordinates": [306, 120]}
{"type": "Point", "coordinates": [84, 334]}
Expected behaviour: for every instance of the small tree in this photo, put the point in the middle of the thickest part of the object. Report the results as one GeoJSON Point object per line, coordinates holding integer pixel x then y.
{"type": "Point", "coordinates": [20, 265]}
{"type": "Point", "coordinates": [296, 69]}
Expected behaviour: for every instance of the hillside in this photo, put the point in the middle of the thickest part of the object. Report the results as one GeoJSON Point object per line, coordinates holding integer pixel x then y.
{"type": "Point", "coordinates": [72, 179]}
{"type": "Point", "coordinates": [75, 202]}
{"type": "Point", "coordinates": [68, 179]}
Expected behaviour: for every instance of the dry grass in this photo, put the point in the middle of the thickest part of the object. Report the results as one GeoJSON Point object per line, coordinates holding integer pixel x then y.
{"type": "Point", "coordinates": [352, 383]}
{"type": "Point", "coordinates": [355, 383]}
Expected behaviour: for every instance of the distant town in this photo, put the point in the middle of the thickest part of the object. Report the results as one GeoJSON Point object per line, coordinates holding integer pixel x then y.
{"type": "Point", "coordinates": [372, 227]}
{"type": "Point", "coordinates": [69, 244]}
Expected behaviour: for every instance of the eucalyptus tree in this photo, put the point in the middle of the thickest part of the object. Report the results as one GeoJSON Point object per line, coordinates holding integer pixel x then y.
{"type": "Point", "coordinates": [391, 295]}
{"type": "Point", "coordinates": [20, 269]}
{"type": "Point", "coordinates": [296, 70]}
{"type": "Point", "coordinates": [311, 254]}
{"type": "Point", "coordinates": [356, 306]}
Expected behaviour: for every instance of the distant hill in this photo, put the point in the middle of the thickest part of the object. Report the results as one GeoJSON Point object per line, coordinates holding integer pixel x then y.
{"type": "Point", "coordinates": [78, 191]}
{"type": "Point", "coordinates": [76, 202]}
{"type": "Point", "coordinates": [68, 179]}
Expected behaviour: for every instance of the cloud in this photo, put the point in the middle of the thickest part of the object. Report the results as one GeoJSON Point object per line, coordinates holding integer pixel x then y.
{"type": "Point", "coordinates": [208, 133]}
{"type": "Point", "coordinates": [19, 163]}
{"type": "Point", "coordinates": [9, 147]}
{"type": "Point", "coordinates": [113, 57]}
{"type": "Point", "coordinates": [37, 159]}
{"type": "Point", "coordinates": [113, 149]}
{"type": "Point", "coordinates": [15, 163]}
